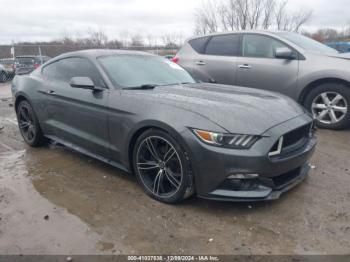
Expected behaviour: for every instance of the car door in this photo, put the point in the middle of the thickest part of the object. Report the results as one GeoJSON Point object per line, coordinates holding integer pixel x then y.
{"type": "Point", "coordinates": [79, 116]}
{"type": "Point", "coordinates": [218, 63]}
{"type": "Point", "coordinates": [259, 68]}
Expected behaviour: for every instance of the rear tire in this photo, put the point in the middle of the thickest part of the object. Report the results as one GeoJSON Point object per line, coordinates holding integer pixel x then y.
{"type": "Point", "coordinates": [162, 167]}
{"type": "Point", "coordinates": [330, 105]}
{"type": "Point", "coordinates": [29, 125]}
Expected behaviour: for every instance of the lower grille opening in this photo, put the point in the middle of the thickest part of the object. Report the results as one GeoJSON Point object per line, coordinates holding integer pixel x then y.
{"type": "Point", "coordinates": [239, 184]}
{"type": "Point", "coordinates": [286, 178]}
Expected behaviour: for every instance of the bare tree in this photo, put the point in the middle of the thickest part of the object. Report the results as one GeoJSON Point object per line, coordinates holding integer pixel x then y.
{"type": "Point", "coordinates": [280, 14]}
{"type": "Point", "coordinates": [300, 18]}
{"type": "Point", "coordinates": [207, 18]}
{"type": "Point", "coordinates": [173, 40]}
{"type": "Point", "coordinates": [97, 38]}
{"type": "Point", "coordinates": [125, 37]}
{"type": "Point", "coordinates": [243, 14]}
{"type": "Point", "coordinates": [151, 40]}
{"type": "Point", "coordinates": [291, 21]}
{"type": "Point", "coordinates": [229, 15]}
{"type": "Point", "coordinates": [137, 41]}
{"type": "Point", "coordinates": [268, 14]}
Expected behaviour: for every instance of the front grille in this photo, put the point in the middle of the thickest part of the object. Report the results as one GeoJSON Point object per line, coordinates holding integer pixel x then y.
{"type": "Point", "coordinates": [291, 141]}
{"type": "Point", "coordinates": [296, 135]}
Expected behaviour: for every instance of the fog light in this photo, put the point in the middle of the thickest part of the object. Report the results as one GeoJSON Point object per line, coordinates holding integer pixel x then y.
{"type": "Point", "coordinates": [243, 176]}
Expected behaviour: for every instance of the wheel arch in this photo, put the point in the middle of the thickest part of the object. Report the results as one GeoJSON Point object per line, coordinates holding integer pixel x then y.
{"type": "Point", "coordinates": [19, 98]}
{"type": "Point", "coordinates": [306, 90]}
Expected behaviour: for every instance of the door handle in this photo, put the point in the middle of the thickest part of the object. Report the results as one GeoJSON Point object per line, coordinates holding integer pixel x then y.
{"type": "Point", "coordinates": [201, 63]}
{"type": "Point", "coordinates": [50, 92]}
{"type": "Point", "coordinates": [245, 66]}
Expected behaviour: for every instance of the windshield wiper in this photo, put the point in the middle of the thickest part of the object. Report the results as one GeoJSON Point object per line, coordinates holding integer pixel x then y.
{"type": "Point", "coordinates": [145, 87]}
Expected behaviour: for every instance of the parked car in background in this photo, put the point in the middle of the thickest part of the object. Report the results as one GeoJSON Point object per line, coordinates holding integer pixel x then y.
{"type": "Point", "coordinates": [169, 57]}
{"type": "Point", "coordinates": [315, 75]}
{"type": "Point", "coordinates": [147, 115]}
{"type": "Point", "coordinates": [6, 69]}
{"type": "Point", "coordinates": [28, 63]}
{"type": "Point", "coordinates": [341, 47]}
{"type": "Point", "coordinates": [3, 74]}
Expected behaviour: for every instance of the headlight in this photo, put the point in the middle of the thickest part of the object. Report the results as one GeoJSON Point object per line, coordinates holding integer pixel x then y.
{"type": "Point", "coordinates": [236, 141]}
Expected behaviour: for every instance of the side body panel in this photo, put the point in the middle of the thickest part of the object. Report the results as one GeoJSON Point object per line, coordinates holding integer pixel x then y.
{"type": "Point", "coordinates": [79, 116]}
{"type": "Point", "coordinates": [277, 75]}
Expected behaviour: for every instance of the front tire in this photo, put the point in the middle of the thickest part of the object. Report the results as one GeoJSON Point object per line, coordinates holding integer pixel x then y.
{"type": "Point", "coordinates": [329, 103]}
{"type": "Point", "coordinates": [162, 167]}
{"type": "Point", "coordinates": [29, 124]}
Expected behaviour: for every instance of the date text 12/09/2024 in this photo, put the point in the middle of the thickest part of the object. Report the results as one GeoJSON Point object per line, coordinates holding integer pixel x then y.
{"type": "Point", "coordinates": [173, 258]}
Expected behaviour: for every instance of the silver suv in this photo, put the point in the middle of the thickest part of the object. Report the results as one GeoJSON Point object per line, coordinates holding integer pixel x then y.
{"type": "Point", "coordinates": [313, 74]}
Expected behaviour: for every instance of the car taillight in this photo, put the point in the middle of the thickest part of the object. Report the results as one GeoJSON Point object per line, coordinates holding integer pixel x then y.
{"type": "Point", "coordinates": [36, 66]}
{"type": "Point", "coordinates": [175, 60]}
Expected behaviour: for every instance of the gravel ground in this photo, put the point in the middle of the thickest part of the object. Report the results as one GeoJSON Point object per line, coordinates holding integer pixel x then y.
{"type": "Point", "coordinates": [56, 201]}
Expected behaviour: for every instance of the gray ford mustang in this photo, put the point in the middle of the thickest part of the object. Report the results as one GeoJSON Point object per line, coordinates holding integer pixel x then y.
{"type": "Point", "coordinates": [147, 115]}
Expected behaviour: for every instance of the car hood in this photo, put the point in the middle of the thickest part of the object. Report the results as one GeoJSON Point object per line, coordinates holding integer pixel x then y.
{"type": "Point", "coordinates": [236, 109]}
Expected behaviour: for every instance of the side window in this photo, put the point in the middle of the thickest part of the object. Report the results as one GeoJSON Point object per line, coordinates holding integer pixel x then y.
{"type": "Point", "coordinates": [223, 45]}
{"type": "Point", "coordinates": [51, 70]}
{"type": "Point", "coordinates": [260, 46]}
{"type": "Point", "coordinates": [198, 44]}
{"type": "Point", "coordinates": [75, 67]}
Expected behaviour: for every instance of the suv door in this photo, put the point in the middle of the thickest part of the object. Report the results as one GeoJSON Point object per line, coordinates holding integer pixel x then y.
{"type": "Point", "coordinates": [78, 116]}
{"type": "Point", "coordinates": [217, 64]}
{"type": "Point", "coordinates": [259, 68]}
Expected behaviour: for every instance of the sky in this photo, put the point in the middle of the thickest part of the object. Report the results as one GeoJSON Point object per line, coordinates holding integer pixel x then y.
{"type": "Point", "coordinates": [45, 20]}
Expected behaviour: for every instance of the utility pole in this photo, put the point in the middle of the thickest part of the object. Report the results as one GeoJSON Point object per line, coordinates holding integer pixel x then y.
{"type": "Point", "coordinates": [13, 50]}
{"type": "Point", "coordinates": [41, 57]}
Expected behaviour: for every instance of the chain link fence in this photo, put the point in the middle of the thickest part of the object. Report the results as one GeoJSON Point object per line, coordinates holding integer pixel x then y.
{"type": "Point", "coordinates": [42, 52]}
{"type": "Point", "coordinates": [52, 50]}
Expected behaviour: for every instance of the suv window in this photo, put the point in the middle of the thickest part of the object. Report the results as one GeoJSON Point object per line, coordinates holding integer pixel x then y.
{"type": "Point", "coordinates": [223, 45]}
{"type": "Point", "coordinates": [67, 68]}
{"type": "Point", "coordinates": [198, 44]}
{"type": "Point", "coordinates": [260, 46]}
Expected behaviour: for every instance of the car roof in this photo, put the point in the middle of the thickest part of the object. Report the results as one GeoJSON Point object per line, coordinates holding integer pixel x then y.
{"type": "Point", "coordinates": [271, 33]}
{"type": "Point", "coordinates": [95, 53]}
{"type": "Point", "coordinates": [264, 32]}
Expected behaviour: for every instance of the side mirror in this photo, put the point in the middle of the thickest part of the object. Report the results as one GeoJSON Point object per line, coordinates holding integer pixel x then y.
{"type": "Point", "coordinates": [82, 82]}
{"type": "Point", "coordinates": [285, 53]}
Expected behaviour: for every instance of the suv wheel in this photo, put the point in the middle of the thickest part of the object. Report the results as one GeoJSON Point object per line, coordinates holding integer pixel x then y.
{"type": "Point", "coordinates": [329, 103]}
{"type": "Point", "coordinates": [162, 167]}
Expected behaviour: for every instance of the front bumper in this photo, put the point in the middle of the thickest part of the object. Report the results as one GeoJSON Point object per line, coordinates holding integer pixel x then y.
{"type": "Point", "coordinates": [266, 190]}
{"type": "Point", "coordinates": [213, 165]}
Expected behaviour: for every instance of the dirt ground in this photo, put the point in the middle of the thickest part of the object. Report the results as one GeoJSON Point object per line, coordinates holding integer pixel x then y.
{"type": "Point", "coordinates": [56, 201]}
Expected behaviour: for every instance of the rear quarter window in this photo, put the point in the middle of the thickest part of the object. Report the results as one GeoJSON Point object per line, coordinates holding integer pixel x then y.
{"type": "Point", "coordinates": [52, 71]}
{"type": "Point", "coordinates": [223, 45]}
{"type": "Point", "coordinates": [198, 44]}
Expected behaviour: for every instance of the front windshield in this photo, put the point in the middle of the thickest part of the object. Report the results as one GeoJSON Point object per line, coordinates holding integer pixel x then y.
{"type": "Point", "coordinates": [130, 71]}
{"type": "Point", "coordinates": [307, 43]}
